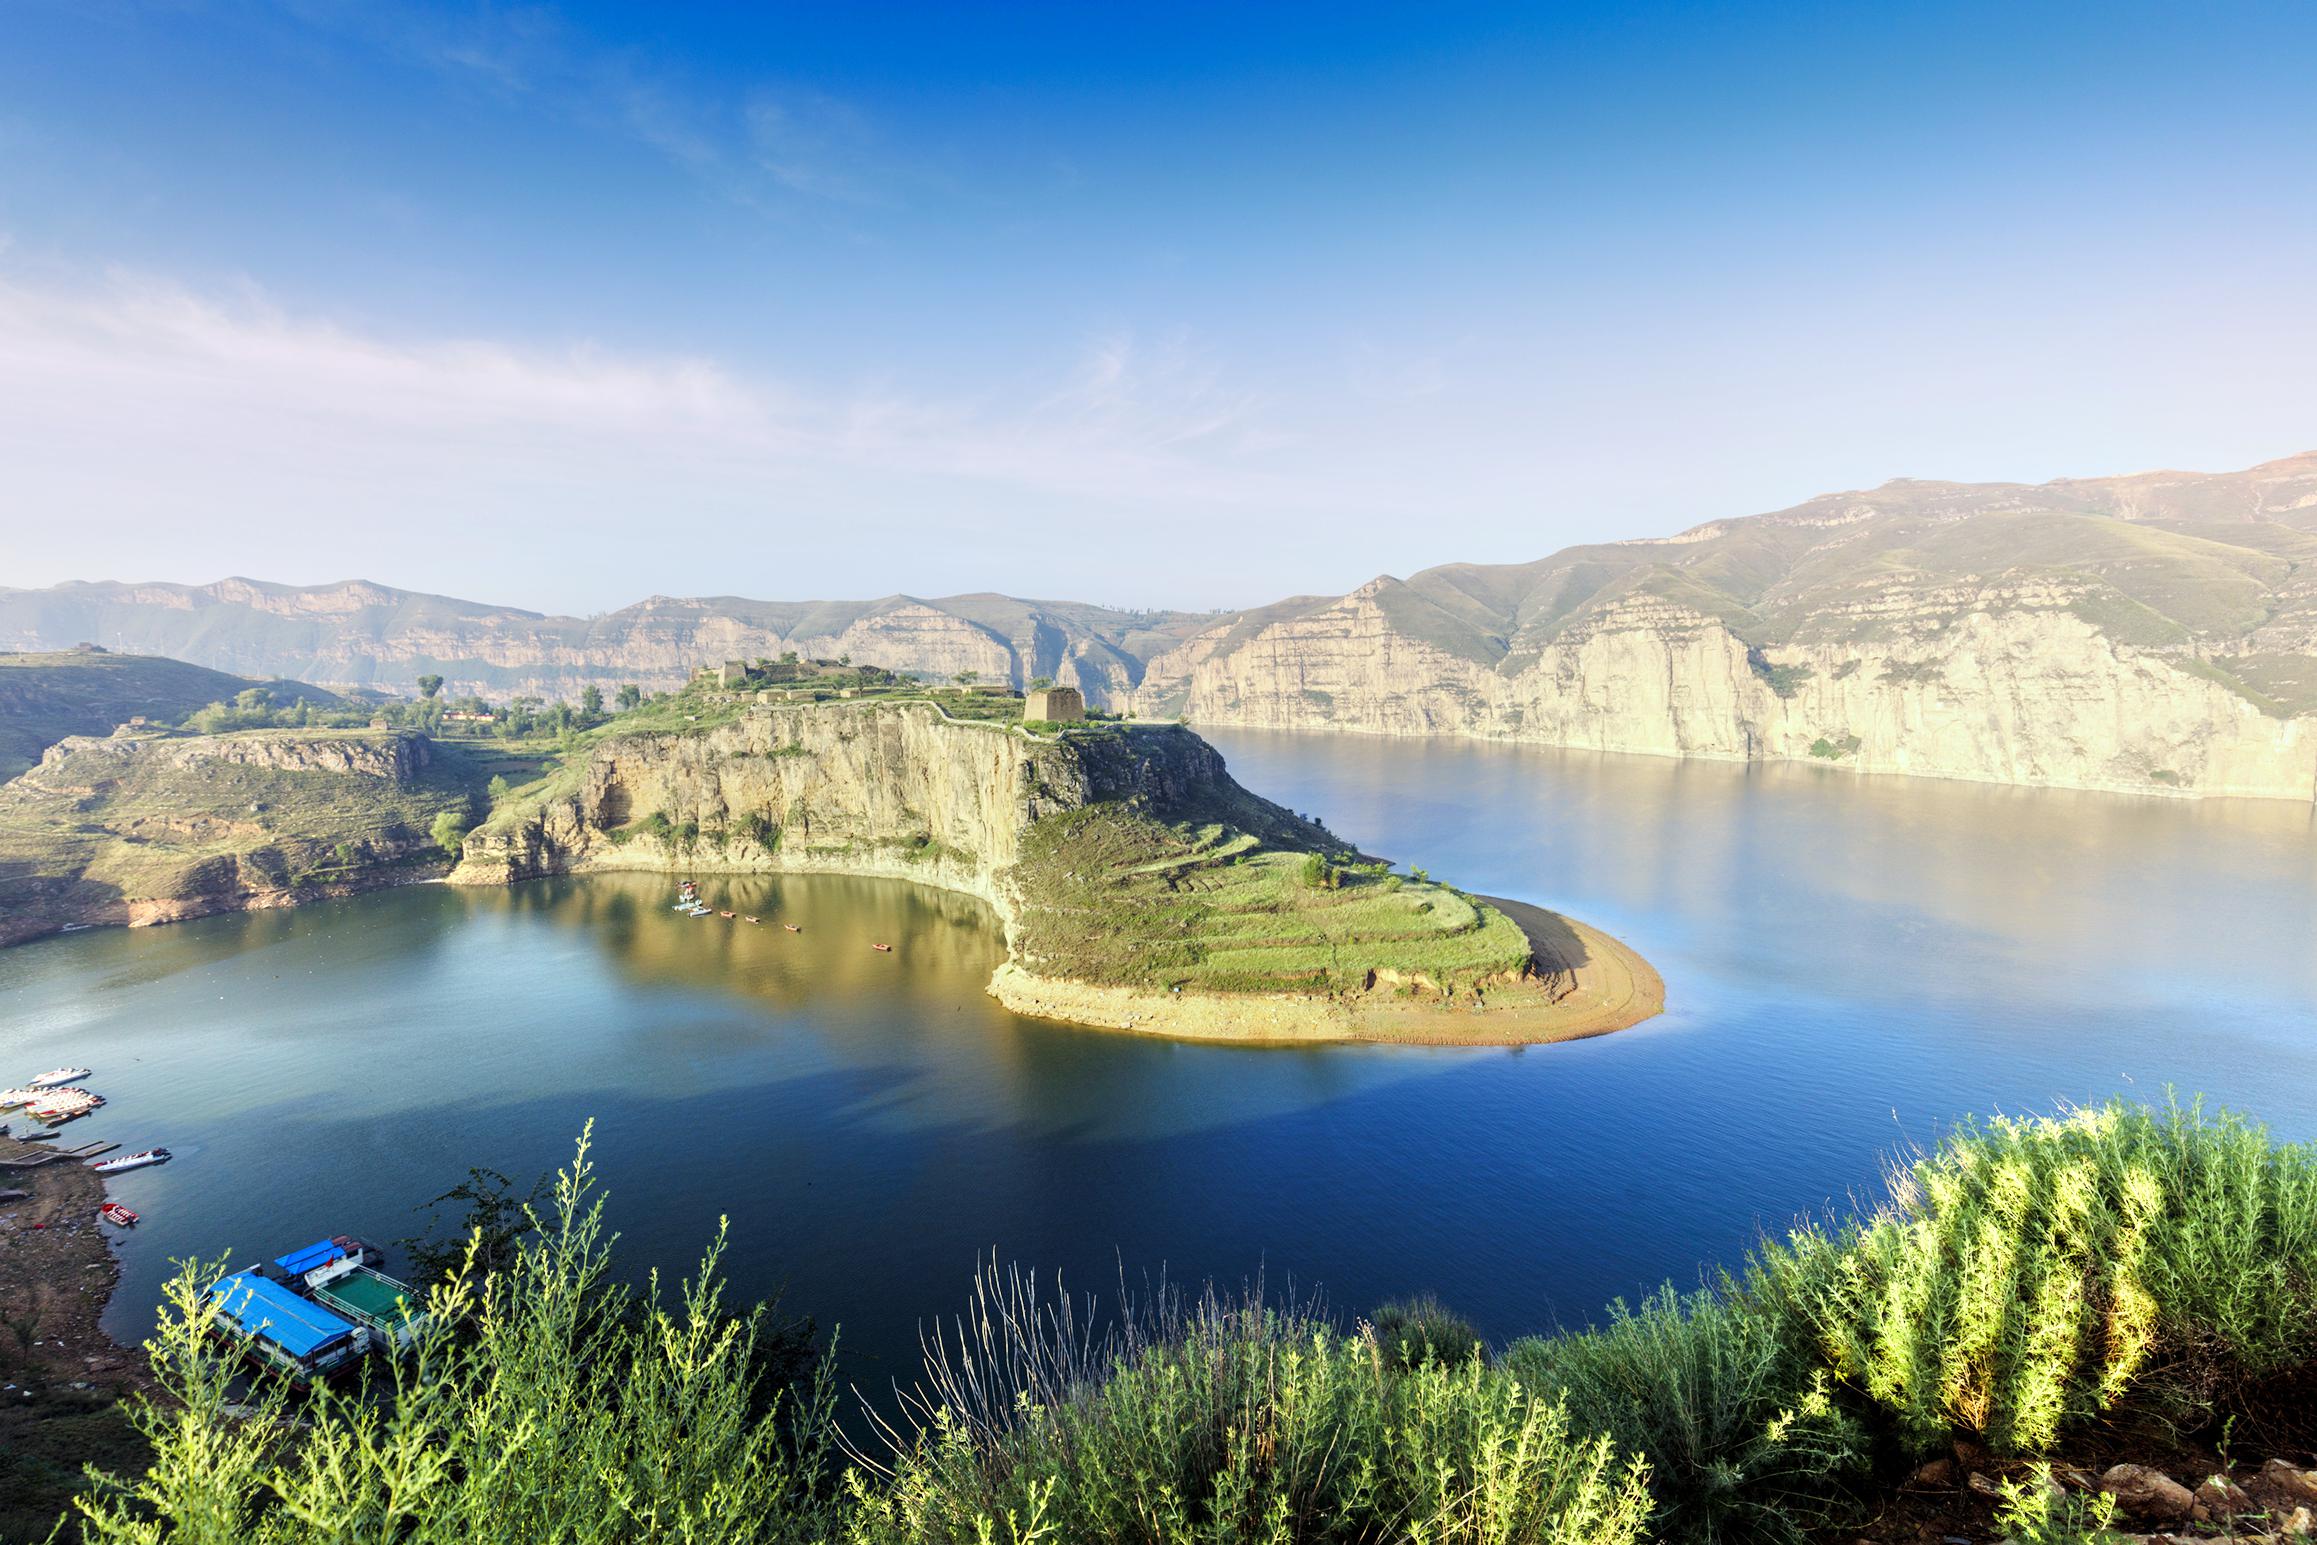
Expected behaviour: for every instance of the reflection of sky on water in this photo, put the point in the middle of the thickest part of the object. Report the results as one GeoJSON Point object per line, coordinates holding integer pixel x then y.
{"type": "Point", "coordinates": [1852, 963]}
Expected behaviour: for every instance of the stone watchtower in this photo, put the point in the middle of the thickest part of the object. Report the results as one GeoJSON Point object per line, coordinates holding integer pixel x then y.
{"type": "Point", "coordinates": [1061, 705]}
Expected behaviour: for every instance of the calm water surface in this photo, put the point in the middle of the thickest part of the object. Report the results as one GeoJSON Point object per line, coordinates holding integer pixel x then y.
{"type": "Point", "coordinates": [1852, 965]}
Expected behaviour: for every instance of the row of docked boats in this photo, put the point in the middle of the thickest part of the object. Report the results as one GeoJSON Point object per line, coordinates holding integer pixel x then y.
{"type": "Point", "coordinates": [689, 903]}
{"type": "Point", "coordinates": [318, 1309]}
{"type": "Point", "coordinates": [52, 1096]}
{"type": "Point", "coordinates": [55, 1097]}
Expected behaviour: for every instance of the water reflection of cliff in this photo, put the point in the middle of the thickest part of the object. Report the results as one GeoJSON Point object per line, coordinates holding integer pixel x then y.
{"type": "Point", "coordinates": [942, 942]}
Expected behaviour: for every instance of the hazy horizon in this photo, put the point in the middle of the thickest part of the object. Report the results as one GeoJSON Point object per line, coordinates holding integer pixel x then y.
{"type": "Point", "coordinates": [561, 307]}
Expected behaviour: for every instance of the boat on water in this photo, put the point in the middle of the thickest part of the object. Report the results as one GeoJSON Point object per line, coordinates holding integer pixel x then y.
{"type": "Point", "coordinates": [319, 1308]}
{"type": "Point", "coordinates": [792, 928]}
{"type": "Point", "coordinates": [62, 1104]}
{"type": "Point", "coordinates": [723, 914]}
{"type": "Point", "coordinates": [130, 1161]}
{"type": "Point", "coordinates": [117, 1215]}
{"type": "Point", "coordinates": [55, 1077]}
{"type": "Point", "coordinates": [747, 919]}
{"type": "Point", "coordinates": [11, 1098]}
{"type": "Point", "coordinates": [887, 948]}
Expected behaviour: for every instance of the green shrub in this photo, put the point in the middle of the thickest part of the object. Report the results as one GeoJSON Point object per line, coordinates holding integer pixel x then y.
{"type": "Point", "coordinates": [1413, 1331]}
{"type": "Point", "coordinates": [1720, 1390]}
{"type": "Point", "coordinates": [1228, 1421]}
{"type": "Point", "coordinates": [2033, 1273]}
{"type": "Point", "coordinates": [542, 1404]}
{"type": "Point", "coordinates": [2038, 1512]}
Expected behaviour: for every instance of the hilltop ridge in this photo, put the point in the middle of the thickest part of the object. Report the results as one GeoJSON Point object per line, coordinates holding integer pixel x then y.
{"type": "Point", "coordinates": [2155, 632]}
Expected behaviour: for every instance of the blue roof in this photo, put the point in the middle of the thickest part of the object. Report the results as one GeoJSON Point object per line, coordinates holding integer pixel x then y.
{"type": "Point", "coordinates": [320, 1253]}
{"type": "Point", "coordinates": [298, 1326]}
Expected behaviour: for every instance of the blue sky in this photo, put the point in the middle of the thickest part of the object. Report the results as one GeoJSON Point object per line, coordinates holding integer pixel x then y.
{"type": "Point", "coordinates": [1198, 306]}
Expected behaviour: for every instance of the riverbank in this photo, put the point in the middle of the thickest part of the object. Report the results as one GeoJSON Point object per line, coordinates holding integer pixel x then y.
{"type": "Point", "coordinates": [61, 1376]}
{"type": "Point", "coordinates": [1586, 983]}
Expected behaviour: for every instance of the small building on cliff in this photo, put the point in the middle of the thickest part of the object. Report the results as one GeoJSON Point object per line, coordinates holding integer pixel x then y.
{"type": "Point", "coordinates": [1060, 705]}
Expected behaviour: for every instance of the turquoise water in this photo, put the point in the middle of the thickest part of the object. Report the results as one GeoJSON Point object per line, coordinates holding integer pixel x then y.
{"type": "Point", "coordinates": [1851, 965]}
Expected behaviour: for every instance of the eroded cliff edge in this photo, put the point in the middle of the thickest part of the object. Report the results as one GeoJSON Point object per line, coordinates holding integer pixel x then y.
{"type": "Point", "coordinates": [1139, 886]}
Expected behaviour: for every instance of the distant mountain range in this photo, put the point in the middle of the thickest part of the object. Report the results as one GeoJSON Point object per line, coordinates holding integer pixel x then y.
{"type": "Point", "coordinates": [2153, 632]}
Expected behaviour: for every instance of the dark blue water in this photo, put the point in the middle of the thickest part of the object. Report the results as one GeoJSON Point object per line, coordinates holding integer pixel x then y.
{"type": "Point", "coordinates": [1852, 966]}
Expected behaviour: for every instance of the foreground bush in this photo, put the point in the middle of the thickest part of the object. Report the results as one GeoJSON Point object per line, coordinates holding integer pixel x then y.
{"type": "Point", "coordinates": [1232, 1420]}
{"type": "Point", "coordinates": [2032, 1274]}
{"type": "Point", "coordinates": [1722, 1391]}
{"type": "Point", "coordinates": [2027, 1279]}
{"type": "Point", "coordinates": [544, 1405]}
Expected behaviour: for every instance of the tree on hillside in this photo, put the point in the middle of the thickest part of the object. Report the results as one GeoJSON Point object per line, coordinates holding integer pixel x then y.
{"type": "Point", "coordinates": [591, 700]}
{"type": "Point", "coordinates": [630, 696]}
{"type": "Point", "coordinates": [450, 831]}
{"type": "Point", "coordinates": [428, 686]}
{"type": "Point", "coordinates": [253, 700]}
{"type": "Point", "coordinates": [1040, 683]}
{"type": "Point", "coordinates": [966, 678]}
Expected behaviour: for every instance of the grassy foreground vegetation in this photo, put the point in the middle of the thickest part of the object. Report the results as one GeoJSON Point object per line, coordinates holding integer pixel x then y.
{"type": "Point", "coordinates": [2137, 1271]}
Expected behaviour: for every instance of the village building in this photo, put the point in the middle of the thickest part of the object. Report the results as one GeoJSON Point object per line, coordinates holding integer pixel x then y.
{"type": "Point", "coordinates": [1060, 705]}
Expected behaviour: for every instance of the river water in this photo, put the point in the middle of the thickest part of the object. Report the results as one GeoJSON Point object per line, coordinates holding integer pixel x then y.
{"type": "Point", "coordinates": [1852, 965]}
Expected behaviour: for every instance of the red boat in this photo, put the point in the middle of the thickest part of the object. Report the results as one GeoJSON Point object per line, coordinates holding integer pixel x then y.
{"type": "Point", "coordinates": [723, 914]}
{"type": "Point", "coordinates": [117, 1215]}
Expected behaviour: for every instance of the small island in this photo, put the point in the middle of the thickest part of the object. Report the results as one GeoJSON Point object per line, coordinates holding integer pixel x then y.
{"type": "Point", "coordinates": [1140, 887]}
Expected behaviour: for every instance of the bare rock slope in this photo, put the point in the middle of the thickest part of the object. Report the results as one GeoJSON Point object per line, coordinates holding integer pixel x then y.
{"type": "Point", "coordinates": [2154, 633]}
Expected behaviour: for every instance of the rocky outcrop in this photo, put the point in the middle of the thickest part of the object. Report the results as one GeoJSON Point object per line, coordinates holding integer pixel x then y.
{"type": "Point", "coordinates": [2154, 633]}
{"type": "Point", "coordinates": [140, 828]}
{"type": "Point", "coordinates": [360, 635]}
{"type": "Point", "coordinates": [881, 789]}
{"type": "Point", "coordinates": [1991, 689]}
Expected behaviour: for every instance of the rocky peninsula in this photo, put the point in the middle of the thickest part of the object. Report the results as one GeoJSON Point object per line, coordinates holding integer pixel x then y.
{"type": "Point", "coordinates": [1139, 886]}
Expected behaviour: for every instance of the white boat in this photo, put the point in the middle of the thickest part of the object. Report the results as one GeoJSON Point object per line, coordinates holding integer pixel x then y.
{"type": "Point", "coordinates": [62, 1103]}
{"type": "Point", "coordinates": [130, 1161]}
{"type": "Point", "coordinates": [54, 1077]}
{"type": "Point", "coordinates": [11, 1098]}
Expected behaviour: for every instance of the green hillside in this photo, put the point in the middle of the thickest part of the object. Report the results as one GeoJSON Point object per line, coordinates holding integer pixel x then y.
{"type": "Point", "coordinates": [46, 697]}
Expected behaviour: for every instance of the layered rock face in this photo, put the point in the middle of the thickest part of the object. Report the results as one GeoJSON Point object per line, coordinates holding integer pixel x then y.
{"type": "Point", "coordinates": [360, 635]}
{"type": "Point", "coordinates": [881, 789]}
{"type": "Point", "coordinates": [2003, 694]}
{"type": "Point", "coordinates": [2155, 633]}
{"type": "Point", "coordinates": [142, 829]}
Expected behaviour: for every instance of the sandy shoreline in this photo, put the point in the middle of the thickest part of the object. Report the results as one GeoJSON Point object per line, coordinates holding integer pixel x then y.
{"type": "Point", "coordinates": [1594, 985]}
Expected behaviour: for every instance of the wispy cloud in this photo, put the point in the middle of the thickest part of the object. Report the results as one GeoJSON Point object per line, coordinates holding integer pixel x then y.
{"type": "Point", "coordinates": [773, 145]}
{"type": "Point", "coordinates": [223, 386]}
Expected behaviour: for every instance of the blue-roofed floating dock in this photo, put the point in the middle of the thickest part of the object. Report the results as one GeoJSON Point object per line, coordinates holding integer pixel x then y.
{"type": "Point", "coordinates": [296, 1335]}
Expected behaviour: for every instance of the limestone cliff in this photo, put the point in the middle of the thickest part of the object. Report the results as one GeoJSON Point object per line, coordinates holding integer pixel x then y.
{"type": "Point", "coordinates": [1140, 887]}
{"type": "Point", "coordinates": [152, 828]}
{"type": "Point", "coordinates": [892, 789]}
{"type": "Point", "coordinates": [2154, 633]}
{"type": "Point", "coordinates": [1999, 692]}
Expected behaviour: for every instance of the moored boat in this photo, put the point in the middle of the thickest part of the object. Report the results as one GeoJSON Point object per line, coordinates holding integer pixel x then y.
{"type": "Point", "coordinates": [54, 1077]}
{"type": "Point", "coordinates": [130, 1161]}
{"type": "Point", "coordinates": [747, 919]}
{"type": "Point", "coordinates": [117, 1215]}
{"type": "Point", "coordinates": [887, 948]}
{"type": "Point", "coordinates": [62, 1104]}
{"type": "Point", "coordinates": [792, 928]}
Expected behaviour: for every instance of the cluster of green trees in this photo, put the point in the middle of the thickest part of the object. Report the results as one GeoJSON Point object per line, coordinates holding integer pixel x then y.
{"type": "Point", "coordinates": [521, 718]}
{"type": "Point", "coordinates": [2028, 1283]}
